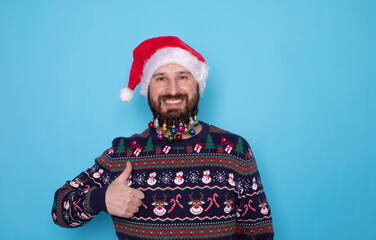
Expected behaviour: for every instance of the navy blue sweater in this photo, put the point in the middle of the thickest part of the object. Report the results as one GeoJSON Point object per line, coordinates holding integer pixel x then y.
{"type": "Point", "coordinates": [204, 187]}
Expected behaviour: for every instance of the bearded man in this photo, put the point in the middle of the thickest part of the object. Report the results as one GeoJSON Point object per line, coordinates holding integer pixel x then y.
{"type": "Point", "coordinates": [179, 179]}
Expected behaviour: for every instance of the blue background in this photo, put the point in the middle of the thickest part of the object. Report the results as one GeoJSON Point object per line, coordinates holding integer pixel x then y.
{"type": "Point", "coordinates": [295, 78]}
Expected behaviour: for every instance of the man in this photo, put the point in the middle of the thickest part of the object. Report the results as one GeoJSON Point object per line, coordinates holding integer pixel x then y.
{"type": "Point", "coordinates": [180, 178]}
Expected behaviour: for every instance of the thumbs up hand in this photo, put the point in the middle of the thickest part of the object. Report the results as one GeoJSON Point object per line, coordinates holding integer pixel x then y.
{"type": "Point", "coordinates": [121, 200]}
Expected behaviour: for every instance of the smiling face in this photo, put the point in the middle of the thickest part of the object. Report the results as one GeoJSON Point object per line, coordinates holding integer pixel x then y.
{"type": "Point", "coordinates": [173, 93]}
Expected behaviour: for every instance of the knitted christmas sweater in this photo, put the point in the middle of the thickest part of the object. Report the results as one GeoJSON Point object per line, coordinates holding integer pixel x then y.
{"type": "Point", "coordinates": [204, 187]}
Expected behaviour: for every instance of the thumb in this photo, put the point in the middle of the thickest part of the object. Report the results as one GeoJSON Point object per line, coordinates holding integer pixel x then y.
{"type": "Point", "coordinates": [125, 174]}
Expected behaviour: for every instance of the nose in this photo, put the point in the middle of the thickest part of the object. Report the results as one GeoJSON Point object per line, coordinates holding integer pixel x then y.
{"type": "Point", "coordinates": [173, 87]}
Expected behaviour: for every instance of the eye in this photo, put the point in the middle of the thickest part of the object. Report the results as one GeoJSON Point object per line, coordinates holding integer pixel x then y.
{"type": "Point", "coordinates": [183, 77]}
{"type": "Point", "coordinates": [160, 78]}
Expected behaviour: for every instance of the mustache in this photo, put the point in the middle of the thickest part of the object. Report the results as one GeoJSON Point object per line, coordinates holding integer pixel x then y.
{"type": "Point", "coordinates": [170, 96]}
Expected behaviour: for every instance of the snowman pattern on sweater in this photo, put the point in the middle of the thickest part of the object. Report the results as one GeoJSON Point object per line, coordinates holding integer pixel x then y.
{"type": "Point", "coordinates": [179, 177]}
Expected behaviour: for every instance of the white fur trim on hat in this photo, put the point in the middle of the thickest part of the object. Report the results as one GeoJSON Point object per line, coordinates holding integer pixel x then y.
{"type": "Point", "coordinates": [126, 94]}
{"type": "Point", "coordinates": [173, 55]}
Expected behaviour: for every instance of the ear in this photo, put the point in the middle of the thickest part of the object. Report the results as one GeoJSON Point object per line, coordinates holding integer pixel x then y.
{"type": "Point", "coordinates": [202, 202]}
{"type": "Point", "coordinates": [190, 203]}
{"type": "Point", "coordinates": [153, 203]}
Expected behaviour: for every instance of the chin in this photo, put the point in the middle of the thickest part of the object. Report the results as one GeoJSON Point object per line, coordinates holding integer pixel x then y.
{"type": "Point", "coordinates": [174, 113]}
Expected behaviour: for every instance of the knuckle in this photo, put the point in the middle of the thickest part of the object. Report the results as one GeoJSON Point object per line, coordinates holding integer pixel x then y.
{"type": "Point", "coordinates": [124, 212]}
{"type": "Point", "coordinates": [127, 201]}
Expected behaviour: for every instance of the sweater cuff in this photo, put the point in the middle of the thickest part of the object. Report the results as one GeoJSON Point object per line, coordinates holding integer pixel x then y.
{"type": "Point", "coordinates": [96, 199]}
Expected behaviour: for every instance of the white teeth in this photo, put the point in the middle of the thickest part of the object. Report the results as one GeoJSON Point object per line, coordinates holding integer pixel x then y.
{"type": "Point", "coordinates": [174, 101]}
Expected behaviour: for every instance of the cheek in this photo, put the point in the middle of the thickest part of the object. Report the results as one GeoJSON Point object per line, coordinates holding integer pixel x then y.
{"type": "Point", "coordinates": [154, 93]}
{"type": "Point", "coordinates": [190, 90]}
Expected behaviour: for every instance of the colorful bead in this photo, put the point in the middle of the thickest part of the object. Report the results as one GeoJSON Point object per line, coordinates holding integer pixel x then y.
{"type": "Point", "coordinates": [192, 132]}
{"type": "Point", "coordinates": [196, 121]}
{"type": "Point", "coordinates": [160, 137]}
{"type": "Point", "coordinates": [179, 137]}
{"type": "Point", "coordinates": [156, 123]}
{"type": "Point", "coordinates": [164, 128]}
{"type": "Point", "coordinates": [175, 133]}
{"type": "Point", "coordinates": [170, 138]}
{"type": "Point", "coordinates": [191, 122]}
{"type": "Point", "coordinates": [181, 129]}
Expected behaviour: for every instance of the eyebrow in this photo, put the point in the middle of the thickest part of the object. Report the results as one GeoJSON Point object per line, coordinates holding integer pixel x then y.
{"type": "Point", "coordinates": [162, 73]}
{"type": "Point", "coordinates": [184, 72]}
{"type": "Point", "coordinates": [158, 74]}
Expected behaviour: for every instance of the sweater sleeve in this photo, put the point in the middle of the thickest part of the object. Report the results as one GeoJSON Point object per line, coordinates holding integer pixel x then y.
{"type": "Point", "coordinates": [82, 198]}
{"type": "Point", "coordinates": [253, 210]}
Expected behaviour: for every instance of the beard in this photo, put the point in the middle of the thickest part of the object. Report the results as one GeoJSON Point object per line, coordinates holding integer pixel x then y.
{"type": "Point", "coordinates": [174, 116]}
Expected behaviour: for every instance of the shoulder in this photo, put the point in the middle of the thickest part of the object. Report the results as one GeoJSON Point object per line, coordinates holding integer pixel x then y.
{"type": "Point", "coordinates": [132, 140]}
{"type": "Point", "coordinates": [122, 147]}
{"type": "Point", "coordinates": [231, 142]}
{"type": "Point", "coordinates": [225, 135]}
{"type": "Point", "coordinates": [139, 136]}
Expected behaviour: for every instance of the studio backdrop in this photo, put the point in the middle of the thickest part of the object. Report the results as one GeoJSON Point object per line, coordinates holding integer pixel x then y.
{"type": "Point", "coordinates": [294, 78]}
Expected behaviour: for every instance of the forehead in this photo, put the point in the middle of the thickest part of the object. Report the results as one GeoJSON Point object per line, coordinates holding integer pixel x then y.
{"type": "Point", "coordinates": [171, 68]}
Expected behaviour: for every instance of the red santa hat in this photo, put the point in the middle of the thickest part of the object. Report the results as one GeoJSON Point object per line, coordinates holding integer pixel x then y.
{"type": "Point", "coordinates": [156, 52]}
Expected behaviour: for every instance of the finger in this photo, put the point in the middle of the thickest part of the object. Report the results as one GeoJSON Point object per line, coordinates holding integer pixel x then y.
{"type": "Point", "coordinates": [133, 209]}
{"type": "Point", "coordinates": [137, 202]}
{"type": "Point", "coordinates": [125, 174]}
{"type": "Point", "coordinates": [127, 215]}
{"type": "Point", "coordinates": [138, 194]}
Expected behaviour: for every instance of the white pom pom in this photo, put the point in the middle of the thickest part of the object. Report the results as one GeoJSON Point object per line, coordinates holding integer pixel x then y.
{"type": "Point", "coordinates": [126, 94]}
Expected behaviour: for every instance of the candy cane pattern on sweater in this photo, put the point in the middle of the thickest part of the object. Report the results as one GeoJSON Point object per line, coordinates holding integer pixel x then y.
{"type": "Point", "coordinates": [173, 205]}
{"type": "Point", "coordinates": [210, 204]}
{"type": "Point", "coordinates": [215, 201]}
{"type": "Point", "coordinates": [249, 204]}
{"type": "Point", "coordinates": [177, 200]}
